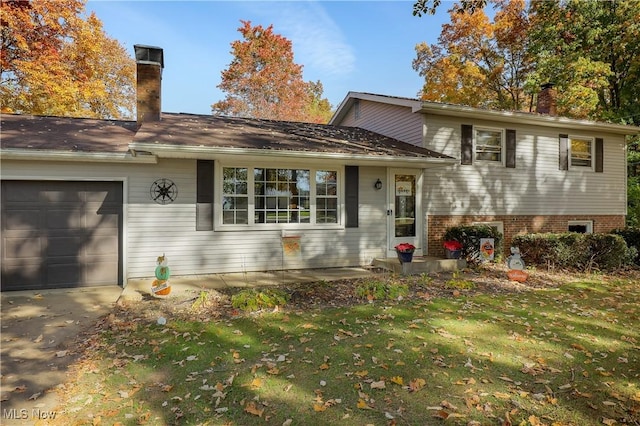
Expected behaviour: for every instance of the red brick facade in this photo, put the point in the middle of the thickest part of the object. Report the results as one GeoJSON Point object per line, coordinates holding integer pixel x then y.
{"type": "Point", "coordinates": [514, 225]}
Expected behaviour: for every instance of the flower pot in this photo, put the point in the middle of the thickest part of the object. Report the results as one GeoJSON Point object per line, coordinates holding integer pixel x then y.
{"type": "Point", "coordinates": [452, 254]}
{"type": "Point", "coordinates": [405, 256]}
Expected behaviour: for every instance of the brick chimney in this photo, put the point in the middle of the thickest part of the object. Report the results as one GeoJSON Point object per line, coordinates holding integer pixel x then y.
{"type": "Point", "coordinates": [546, 100]}
{"type": "Point", "coordinates": [150, 62]}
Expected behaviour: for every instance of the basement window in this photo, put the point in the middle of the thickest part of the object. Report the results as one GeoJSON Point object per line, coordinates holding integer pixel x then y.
{"type": "Point", "coordinates": [498, 226]}
{"type": "Point", "coordinates": [581, 226]}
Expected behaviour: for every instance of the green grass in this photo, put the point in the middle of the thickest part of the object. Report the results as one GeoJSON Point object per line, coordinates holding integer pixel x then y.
{"type": "Point", "coordinates": [561, 356]}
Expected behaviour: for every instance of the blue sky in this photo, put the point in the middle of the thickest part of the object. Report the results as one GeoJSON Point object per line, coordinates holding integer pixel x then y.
{"type": "Point", "coordinates": [365, 46]}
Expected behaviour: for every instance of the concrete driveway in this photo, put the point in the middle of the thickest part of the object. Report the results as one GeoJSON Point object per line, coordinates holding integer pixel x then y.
{"type": "Point", "coordinates": [38, 332]}
{"type": "Point", "coordinates": [39, 329]}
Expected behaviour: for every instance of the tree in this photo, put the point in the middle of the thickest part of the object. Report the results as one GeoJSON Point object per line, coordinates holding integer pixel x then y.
{"type": "Point", "coordinates": [591, 51]}
{"type": "Point", "coordinates": [54, 62]}
{"type": "Point", "coordinates": [318, 108]}
{"type": "Point", "coordinates": [477, 62]}
{"type": "Point", "coordinates": [263, 81]}
{"type": "Point", "coordinates": [421, 7]}
{"type": "Point", "coordinates": [594, 59]}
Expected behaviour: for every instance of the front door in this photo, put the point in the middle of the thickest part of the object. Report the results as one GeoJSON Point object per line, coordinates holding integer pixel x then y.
{"type": "Point", "coordinates": [405, 209]}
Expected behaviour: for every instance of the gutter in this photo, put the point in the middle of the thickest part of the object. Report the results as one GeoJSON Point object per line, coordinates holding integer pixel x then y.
{"type": "Point", "coordinates": [524, 118]}
{"type": "Point", "coordinates": [97, 157]}
{"type": "Point", "coordinates": [200, 152]}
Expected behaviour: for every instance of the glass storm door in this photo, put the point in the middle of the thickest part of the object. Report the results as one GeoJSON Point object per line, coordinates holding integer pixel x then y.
{"type": "Point", "coordinates": [404, 211]}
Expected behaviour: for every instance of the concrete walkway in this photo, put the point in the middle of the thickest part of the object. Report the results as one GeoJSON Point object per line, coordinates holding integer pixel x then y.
{"type": "Point", "coordinates": [40, 328]}
{"type": "Point", "coordinates": [136, 289]}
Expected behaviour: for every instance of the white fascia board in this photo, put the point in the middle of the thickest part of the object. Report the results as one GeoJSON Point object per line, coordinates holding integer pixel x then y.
{"type": "Point", "coordinates": [524, 118]}
{"type": "Point", "coordinates": [221, 153]}
{"type": "Point", "coordinates": [96, 157]}
{"type": "Point", "coordinates": [346, 103]}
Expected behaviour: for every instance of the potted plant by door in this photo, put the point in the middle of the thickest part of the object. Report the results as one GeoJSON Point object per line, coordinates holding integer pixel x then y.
{"type": "Point", "coordinates": [453, 249]}
{"type": "Point", "coordinates": [405, 252]}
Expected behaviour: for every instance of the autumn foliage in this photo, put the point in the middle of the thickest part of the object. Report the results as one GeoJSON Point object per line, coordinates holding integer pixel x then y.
{"type": "Point", "coordinates": [57, 62]}
{"type": "Point", "coordinates": [477, 62]}
{"type": "Point", "coordinates": [263, 81]}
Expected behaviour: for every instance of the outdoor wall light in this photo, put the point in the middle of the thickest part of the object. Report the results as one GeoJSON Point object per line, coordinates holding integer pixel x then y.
{"type": "Point", "coordinates": [378, 184]}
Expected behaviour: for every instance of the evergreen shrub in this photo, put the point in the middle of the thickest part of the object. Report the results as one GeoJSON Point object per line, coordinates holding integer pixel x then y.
{"type": "Point", "coordinates": [570, 250]}
{"type": "Point", "coordinates": [469, 236]}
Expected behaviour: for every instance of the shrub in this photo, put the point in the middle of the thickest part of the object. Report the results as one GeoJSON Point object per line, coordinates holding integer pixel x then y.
{"type": "Point", "coordinates": [631, 236]}
{"type": "Point", "coordinates": [459, 283]}
{"type": "Point", "coordinates": [381, 290]}
{"type": "Point", "coordinates": [469, 236]}
{"type": "Point", "coordinates": [254, 299]}
{"type": "Point", "coordinates": [572, 250]}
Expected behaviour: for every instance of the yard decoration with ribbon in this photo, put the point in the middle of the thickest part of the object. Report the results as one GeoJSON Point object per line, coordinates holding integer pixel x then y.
{"type": "Point", "coordinates": [160, 286]}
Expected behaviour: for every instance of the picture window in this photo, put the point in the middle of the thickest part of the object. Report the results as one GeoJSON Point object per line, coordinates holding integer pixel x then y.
{"type": "Point", "coordinates": [263, 196]}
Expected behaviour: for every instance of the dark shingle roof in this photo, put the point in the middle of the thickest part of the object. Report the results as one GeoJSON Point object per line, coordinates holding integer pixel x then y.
{"type": "Point", "coordinates": [65, 133]}
{"type": "Point", "coordinates": [232, 132]}
{"type": "Point", "coordinates": [112, 136]}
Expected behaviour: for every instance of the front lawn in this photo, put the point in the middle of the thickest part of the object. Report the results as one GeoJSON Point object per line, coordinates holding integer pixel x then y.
{"type": "Point", "coordinates": [452, 351]}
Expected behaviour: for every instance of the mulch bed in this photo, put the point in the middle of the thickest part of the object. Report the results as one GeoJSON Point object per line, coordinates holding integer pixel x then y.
{"type": "Point", "coordinates": [216, 305]}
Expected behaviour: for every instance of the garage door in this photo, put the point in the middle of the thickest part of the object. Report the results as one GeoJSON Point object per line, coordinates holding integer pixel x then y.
{"type": "Point", "coordinates": [61, 234]}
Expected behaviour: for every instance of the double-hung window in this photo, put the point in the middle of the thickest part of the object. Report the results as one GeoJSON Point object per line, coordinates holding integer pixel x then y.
{"type": "Point", "coordinates": [276, 197]}
{"type": "Point", "coordinates": [489, 144]}
{"type": "Point", "coordinates": [581, 151]}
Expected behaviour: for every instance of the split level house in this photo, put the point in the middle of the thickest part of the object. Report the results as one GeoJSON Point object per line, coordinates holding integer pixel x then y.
{"type": "Point", "coordinates": [95, 202]}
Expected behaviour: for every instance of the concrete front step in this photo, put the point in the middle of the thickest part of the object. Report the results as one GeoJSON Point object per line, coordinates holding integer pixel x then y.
{"type": "Point", "coordinates": [420, 265]}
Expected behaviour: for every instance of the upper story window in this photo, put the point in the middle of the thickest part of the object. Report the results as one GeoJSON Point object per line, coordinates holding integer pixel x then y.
{"type": "Point", "coordinates": [263, 196]}
{"type": "Point", "coordinates": [581, 151]}
{"type": "Point", "coordinates": [489, 144]}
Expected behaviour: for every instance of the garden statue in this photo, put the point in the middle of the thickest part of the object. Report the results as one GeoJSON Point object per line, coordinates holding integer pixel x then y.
{"type": "Point", "coordinates": [516, 266]}
{"type": "Point", "coordinates": [160, 286]}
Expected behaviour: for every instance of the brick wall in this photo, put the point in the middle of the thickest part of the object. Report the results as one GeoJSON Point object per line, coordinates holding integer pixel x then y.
{"type": "Point", "coordinates": [514, 225]}
{"type": "Point", "coordinates": [148, 91]}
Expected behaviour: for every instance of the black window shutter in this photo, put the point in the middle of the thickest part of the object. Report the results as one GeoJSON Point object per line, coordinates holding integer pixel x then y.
{"type": "Point", "coordinates": [511, 149]}
{"type": "Point", "coordinates": [564, 152]}
{"type": "Point", "coordinates": [599, 155]}
{"type": "Point", "coordinates": [466, 144]}
{"type": "Point", "coordinates": [351, 183]}
{"type": "Point", "coordinates": [204, 195]}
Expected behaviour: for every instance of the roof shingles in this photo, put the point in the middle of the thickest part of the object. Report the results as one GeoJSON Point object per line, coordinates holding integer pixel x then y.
{"type": "Point", "coordinates": [25, 132]}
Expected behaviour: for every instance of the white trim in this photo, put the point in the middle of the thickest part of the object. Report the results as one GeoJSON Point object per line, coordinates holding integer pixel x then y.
{"type": "Point", "coordinates": [452, 110]}
{"type": "Point", "coordinates": [218, 226]}
{"type": "Point", "coordinates": [227, 154]}
{"type": "Point", "coordinates": [352, 96]}
{"type": "Point", "coordinates": [418, 240]}
{"type": "Point", "coordinates": [50, 155]}
{"type": "Point", "coordinates": [502, 144]}
{"type": "Point", "coordinates": [593, 153]}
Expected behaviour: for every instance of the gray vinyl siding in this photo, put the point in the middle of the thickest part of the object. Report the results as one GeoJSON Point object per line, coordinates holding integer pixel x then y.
{"type": "Point", "coordinates": [390, 120]}
{"type": "Point", "coordinates": [151, 229]}
{"type": "Point", "coordinates": [535, 186]}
